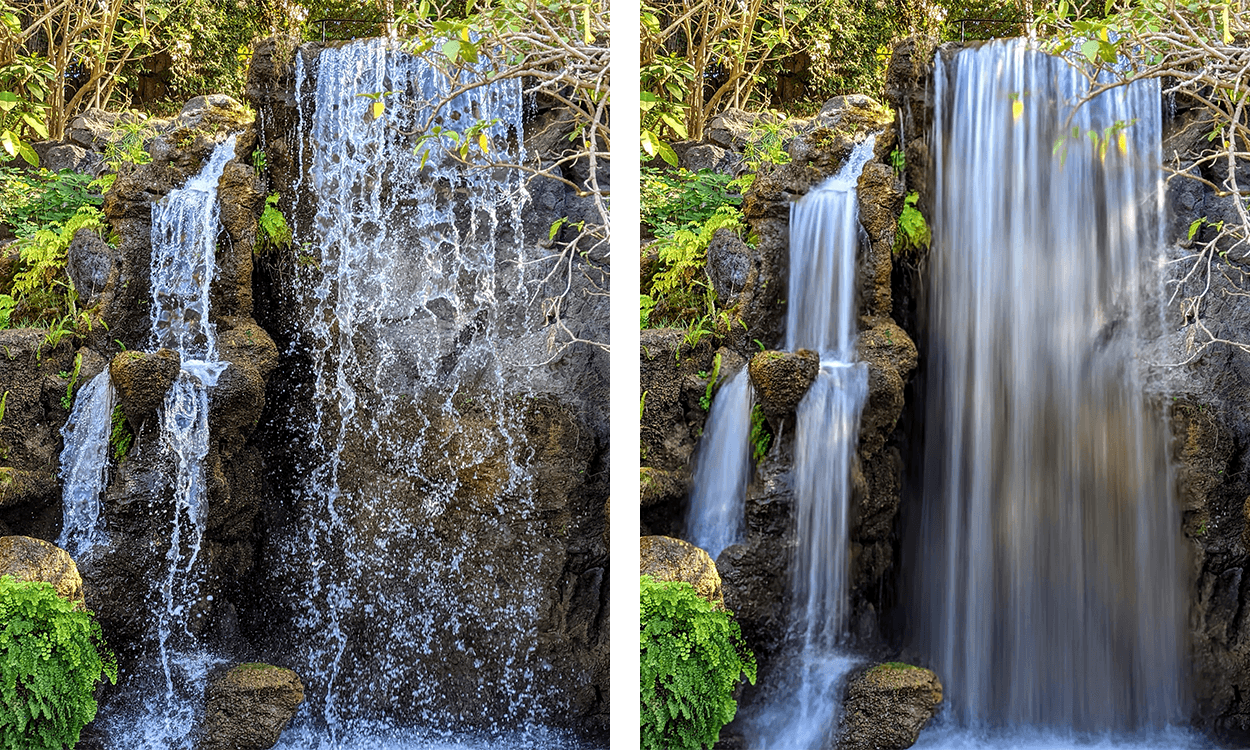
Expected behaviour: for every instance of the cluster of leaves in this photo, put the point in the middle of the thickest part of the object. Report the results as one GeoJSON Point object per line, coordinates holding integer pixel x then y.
{"type": "Point", "coordinates": [672, 200]}
{"type": "Point", "coordinates": [275, 232]}
{"type": "Point", "coordinates": [52, 656]}
{"type": "Point", "coordinates": [692, 657]}
{"type": "Point", "coordinates": [41, 290]}
{"type": "Point", "coordinates": [705, 401]}
{"type": "Point", "coordinates": [761, 438]}
{"type": "Point", "coordinates": [120, 437]}
{"type": "Point", "coordinates": [31, 199]}
{"type": "Point", "coordinates": [913, 230]}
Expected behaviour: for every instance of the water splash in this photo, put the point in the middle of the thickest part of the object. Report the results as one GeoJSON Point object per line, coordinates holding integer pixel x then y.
{"type": "Point", "coordinates": [416, 494]}
{"type": "Point", "coordinates": [84, 466]}
{"type": "Point", "coordinates": [723, 469]}
{"type": "Point", "coordinates": [1049, 584]}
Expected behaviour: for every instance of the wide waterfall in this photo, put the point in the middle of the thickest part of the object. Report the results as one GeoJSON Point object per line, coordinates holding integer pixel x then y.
{"type": "Point", "coordinates": [411, 496]}
{"type": "Point", "coordinates": [722, 469]}
{"type": "Point", "coordinates": [824, 249]}
{"type": "Point", "coordinates": [1049, 577]}
{"type": "Point", "coordinates": [84, 466]}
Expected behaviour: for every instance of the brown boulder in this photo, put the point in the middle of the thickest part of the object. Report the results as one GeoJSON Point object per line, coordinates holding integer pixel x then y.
{"type": "Point", "coordinates": [247, 707]}
{"type": "Point", "coordinates": [781, 379]}
{"type": "Point", "coordinates": [887, 706]}
{"type": "Point", "coordinates": [142, 380]}
{"type": "Point", "coordinates": [667, 559]}
{"type": "Point", "coordinates": [29, 559]}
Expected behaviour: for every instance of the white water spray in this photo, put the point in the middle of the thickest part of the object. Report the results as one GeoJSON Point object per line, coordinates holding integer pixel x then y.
{"type": "Point", "coordinates": [723, 469]}
{"type": "Point", "coordinates": [84, 467]}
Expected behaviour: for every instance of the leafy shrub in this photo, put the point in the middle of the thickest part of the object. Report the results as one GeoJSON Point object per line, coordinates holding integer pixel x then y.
{"type": "Point", "coordinates": [913, 229]}
{"type": "Point", "coordinates": [672, 200]}
{"type": "Point", "coordinates": [52, 654]}
{"type": "Point", "coordinates": [43, 292]}
{"type": "Point", "coordinates": [31, 199]}
{"type": "Point", "coordinates": [275, 232]}
{"type": "Point", "coordinates": [761, 438]}
{"type": "Point", "coordinates": [692, 657]}
{"type": "Point", "coordinates": [682, 284]}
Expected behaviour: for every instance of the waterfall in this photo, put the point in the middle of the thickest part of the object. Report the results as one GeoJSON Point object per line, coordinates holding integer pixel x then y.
{"type": "Point", "coordinates": [824, 245]}
{"type": "Point", "coordinates": [722, 470]}
{"type": "Point", "coordinates": [412, 500]}
{"type": "Point", "coordinates": [184, 237]}
{"type": "Point", "coordinates": [1050, 583]}
{"type": "Point", "coordinates": [84, 466]}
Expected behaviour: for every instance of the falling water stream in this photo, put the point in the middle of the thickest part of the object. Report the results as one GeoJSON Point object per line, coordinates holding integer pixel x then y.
{"type": "Point", "coordinates": [722, 469]}
{"type": "Point", "coordinates": [1051, 599]}
{"type": "Point", "coordinates": [84, 466]}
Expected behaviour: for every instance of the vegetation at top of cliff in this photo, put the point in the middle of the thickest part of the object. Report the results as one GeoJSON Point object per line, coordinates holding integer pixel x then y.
{"type": "Point", "coordinates": [1200, 52]}
{"type": "Point", "coordinates": [30, 199]}
{"type": "Point", "coordinates": [52, 656]}
{"type": "Point", "coordinates": [692, 657]}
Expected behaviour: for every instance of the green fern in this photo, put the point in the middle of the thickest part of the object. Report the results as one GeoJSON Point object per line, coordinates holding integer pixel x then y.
{"type": "Point", "coordinates": [692, 657]}
{"type": "Point", "coordinates": [41, 289]}
{"type": "Point", "coordinates": [760, 436]}
{"type": "Point", "coordinates": [52, 656]}
{"type": "Point", "coordinates": [275, 232]}
{"type": "Point", "coordinates": [120, 438]}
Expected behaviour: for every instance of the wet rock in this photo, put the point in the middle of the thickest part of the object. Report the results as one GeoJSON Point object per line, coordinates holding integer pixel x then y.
{"type": "Point", "coordinates": [887, 706]}
{"type": "Point", "coordinates": [28, 559]}
{"type": "Point", "coordinates": [781, 379]}
{"type": "Point", "coordinates": [730, 264]}
{"type": "Point", "coordinates": [142, 379]}
{"type": "Point", "coordinates": [891, 356]}
{"type": "Point", "coordinates": [90, 265]}
{"type": "Point", "coordinates": [658, 486]}
{"type": "Point", "coordinates": [667, 559]}
{"type": "Point", "coordinates": [248, 706]}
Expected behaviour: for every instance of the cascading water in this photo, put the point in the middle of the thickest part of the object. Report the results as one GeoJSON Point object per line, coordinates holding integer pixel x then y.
{"type": "Point", "coordinates": [413, 496]}
{"type": "Point", "coordinates": [824, 244]}
{"type": "Point", "coordinates": [185, 226]}
{"type": "Point", "coordinates": [1050, 584]}
{"type": "Point", "coordinates": [84, 466]}
{"type": "Point", "coordinates": [723, 469]}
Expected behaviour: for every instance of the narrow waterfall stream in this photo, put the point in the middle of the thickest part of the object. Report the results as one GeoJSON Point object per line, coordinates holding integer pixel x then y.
{"type": "Point", "coordinates": [185, 226]}
{"type": "Point", "coordinates": [84, 466]}
{"type": "Point", "coordinates": [1048, 571]}
{"type": "Point", "coordinates": [722, 469]}
{"type": "Point", "coordinates": [824, 244]}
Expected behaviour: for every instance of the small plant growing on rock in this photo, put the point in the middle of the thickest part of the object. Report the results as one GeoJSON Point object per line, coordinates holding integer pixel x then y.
{"type": "Point", "coordinates": [692, 657]}
{"type": "Point", "coordinates": [760, 436]}
{"type": "Point", "coordinates": [52, 655]}
{"type": "Point", "coordinates": [913, 229]}
{"type": "Point", "coordinates": [121, 437]}
{"type": "Point", "coordinates": [275, 232]}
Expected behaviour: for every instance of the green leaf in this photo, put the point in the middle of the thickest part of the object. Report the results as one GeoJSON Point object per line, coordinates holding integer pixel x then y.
{"type": "Point", "coordinates": [677, 126]}
{"type": "Point", "coordinates": [28, 153]}
{"type": "Point", "coordinates": [8, 100]}
{"type": "Point", "coordinates": [1090, 49]}
{"type": "Point", "coordinates": [666, 153]}
{"type": "Point", "coordinates": [451, 49]}
{"type": "Point", "coordinates": [36, 124]}
{"type": "Point", "coordinates": [555, 227]}
{"type": "Point", "coordinates": [1195, 226]}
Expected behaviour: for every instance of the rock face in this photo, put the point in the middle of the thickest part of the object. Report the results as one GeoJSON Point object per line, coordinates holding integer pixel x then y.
{"type": "Point", "coordinates": [781, 379]}
{"type": "Point", "coordinates": [28, 559]}
{"type": "Point", "coordinates": [142, 379]}
{"type": "Point", "coordinates": [247, 707]}
{"type": "Point", "coordinates": [667, 559]}
{"type": "Point", "coordinates": [887, 706]}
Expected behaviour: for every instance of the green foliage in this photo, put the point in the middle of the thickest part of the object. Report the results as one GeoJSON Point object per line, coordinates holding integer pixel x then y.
{"type": "Point", "coordinates": [120, 438]}
{"type": "Point", "coordinates": [705, 400]}
{"type": "Point", "coordinates": [646, 303]}
{"type": "Point", "coordinates": [682, 282]}
{"type": "Point", "coordinates": [761, 438]}
{"type": "Point", "coordinates": [692, 657]}
{"type": "Point", "coordinates": [672, 200]}
{"type": "Point", "coordinates": [913, 231]}
{"type": "Point", "coordinates": [52, 655]}
{"type": "Point", "coordinates": [43, 292]}
{"type": "Point", "coordinates": [30, 199]}
{"type": "Point", "coordinates": [275, 232]}
{"type": "Point", "coordinates": [67, 400]}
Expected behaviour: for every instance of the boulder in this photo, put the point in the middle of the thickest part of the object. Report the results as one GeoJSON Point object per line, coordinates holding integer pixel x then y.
{"type": "Point", "coordinates": [55, 157]}
{"type": "Point", "coordinates": [247, 707]}
{"type": "Point", "coordinates": [90, 265]}
{"type": "Point", "coordinates": [95, 128]}
{"type": "Point", "coordinates": [781, 379]}
{"type": "Point", "coordinates": [142, 379]}
{"type": "Point", "coordinates": [29, 559]}
{"type": "Point", "coordinates": [729, 265]}
{"type": "Point", "coordinates": [667, 559]}
{"type": "Point", "coordinates": [887, 706]}
{"type": "Point", "coordinates": [711, 157]}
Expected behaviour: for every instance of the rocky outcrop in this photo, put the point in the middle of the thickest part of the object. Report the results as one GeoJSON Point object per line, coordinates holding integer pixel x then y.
{"type": "Point", "coordinates": [667, 559]}
{"type": "Point", "coordinates": [142, 379]}
{"type": "Point", "coordinates": [887, 706]}
{"type": "Point", "coordinates": [247, 707]}
{"type": "Point", "coordinates": [28, 559]}
{"type": "Point", "coordinates": [781, 379]}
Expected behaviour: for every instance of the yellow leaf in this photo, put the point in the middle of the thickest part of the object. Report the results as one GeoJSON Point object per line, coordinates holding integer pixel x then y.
{"type": "Point", "coordinates": [1017, 109]}
{"type": "Point", "coordinates": [377, 108]}
{"type": "Point", "coordinates": [1122, 142]}
{"type": "Point", "coordinates": [484, 143]}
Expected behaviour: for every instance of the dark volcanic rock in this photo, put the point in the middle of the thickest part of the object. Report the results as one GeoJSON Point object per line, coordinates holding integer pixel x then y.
{"type": "Point", "coordinates": [248, 706]}
{"type": "Point", "coordinates": [91, 266]}
{"type": "Point", "coordinates": [142, 380]}
{"type": "Point", "coordinates": [782, 379]}
{"type": "Point", "coordinates": [28, 559]}
{"type": "Point", "coordinates": [887, 706]}
{"type": "Point", "coordinates": [667, 559]}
